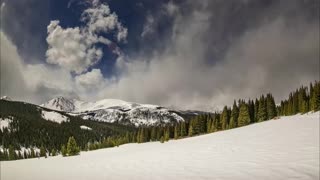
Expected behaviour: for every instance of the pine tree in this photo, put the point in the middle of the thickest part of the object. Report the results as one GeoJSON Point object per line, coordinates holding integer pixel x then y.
{"type": "Point", "coordinates": [315, 99]}
{"type": "Point", "coordinates": [256, 110]}
{"type": "Point", "coordinates": [177, 131]}
{"type": "Point", "coordinates": [244, 116]}
{"type": "Point", "coordinates": [262, 111]}
{"type": "Point", "coordinates": [12, 153]}
{"type": "Point", "coordinates": [153, 134]}
{"type": "Point", "coordinates": [234, 116]}
{"type": "Point", "coordinates": [33, 154]}
{"type": "Point", "coordinates": [43, 152]}
{"type": "Point", "coordinates": [251, 110]}
{"type": "Point", "coordinates": [209, 123]}
{"type": "Point", "coordinates": [53, 152]}
{"type": "Point", "coordinates": [167, 134]}
{"type": "Point", "coordinates": [224, 118]}
{"type": "Point", "coordinates": [271, 107]}
{"type": "Point", "coordinates": [190, 131]}
{"type": "Point", "coordinates": [183, 129]}
{"type": "Point", "coordinates": [72, 147]}
{"type": "Point", "coordinates": [63, 150]}
{"type": "Point", "coordinates": [162, 139]}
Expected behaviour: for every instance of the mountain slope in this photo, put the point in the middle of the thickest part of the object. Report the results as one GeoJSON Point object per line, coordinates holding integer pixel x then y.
{"type": "Point", "coordinates": [114, 110]}
{"type": "Point", "coordinates": [28, 125]}
{"type": "Point", "coordinates": [286, 148]}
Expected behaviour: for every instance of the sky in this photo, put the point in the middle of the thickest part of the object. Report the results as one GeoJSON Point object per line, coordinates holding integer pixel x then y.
{"type": "Point", "coordinates": [183, 54]}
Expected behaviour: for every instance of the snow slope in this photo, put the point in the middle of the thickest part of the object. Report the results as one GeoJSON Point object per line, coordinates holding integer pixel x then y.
{"type": "Point", "coordinates": [54, 116]}
{"type": "Point", "coordinates": [4, 123]}
{"type": "Point", "coordinates": [287, 148]}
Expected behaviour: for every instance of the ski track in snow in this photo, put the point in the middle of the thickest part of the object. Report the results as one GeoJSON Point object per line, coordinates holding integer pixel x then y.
{"type": "Point", "coordinates": [287, 148]}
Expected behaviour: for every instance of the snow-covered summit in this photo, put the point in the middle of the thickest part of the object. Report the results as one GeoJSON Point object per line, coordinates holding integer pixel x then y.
{"type": "Point", "coordinates": [115, 110]}
{"type": "Point", "coordinates": [60, 103]}
{"type": "Point", "coordinates": [5, 98]}
{"type": "Point", "coordinates": [74, 105]}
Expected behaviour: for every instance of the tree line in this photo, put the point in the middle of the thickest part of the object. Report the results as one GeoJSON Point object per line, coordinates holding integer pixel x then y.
{"type": "Point", "coordinates": [53, 138]}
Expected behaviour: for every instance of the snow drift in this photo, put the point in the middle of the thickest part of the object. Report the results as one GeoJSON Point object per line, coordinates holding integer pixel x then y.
{"type": "Point", "coordinates": [286, 148]}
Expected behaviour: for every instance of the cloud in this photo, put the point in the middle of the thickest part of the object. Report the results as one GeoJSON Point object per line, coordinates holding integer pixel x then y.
{"type": "Point", "coordinates": [275, 55]}
{"type": "Point", "coordinates": [75, 49]}
{"type": "Point", "coordinates": [92, 80]}
{"type": "Point", "coordinates": [148, 27]}
{"type": "Point", "coordinates": [71, 48]}
{"type": "Point", "coordinates": [32, 83]}
{"type": "Point", "coordinates": [214, 52]}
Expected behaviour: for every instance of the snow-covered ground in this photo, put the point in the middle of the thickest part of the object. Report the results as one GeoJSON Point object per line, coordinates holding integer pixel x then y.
{"type": "Point", "coordinates": [4, 123]}
{"type": "Point", "coordinates": [54, 116]}
{"type": "Point", "coordinates": [85, 127]}
{"type": "Point", "coordinates": [287, 148]}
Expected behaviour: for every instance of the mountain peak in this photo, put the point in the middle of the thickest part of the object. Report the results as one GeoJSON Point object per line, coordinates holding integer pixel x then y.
{"type": "Point", "coordinates": [6, 98]}
{"type": "Point", "coordinates": [60, 103]}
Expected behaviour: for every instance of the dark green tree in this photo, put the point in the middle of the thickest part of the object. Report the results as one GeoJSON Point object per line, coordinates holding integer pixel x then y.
{"type": "Point", "coordinates": [244, 116]}
{"type": "Point", "coordinates": [72, 147]}
{"type": "Point", "coordinates": [262, 111]}
{"type": "Point", "coordinates": [64, 150]}
{"type": "Point", "coordinates": [224, 118]}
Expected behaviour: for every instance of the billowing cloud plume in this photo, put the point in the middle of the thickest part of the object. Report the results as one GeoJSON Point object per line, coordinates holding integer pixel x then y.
{"type": "Point", "coordinates": [275, 55]}
{"type": "Point", "coordinates": [32, 83]}
{"type": "Point", "coordinates": [92, 80]}
{"type": "Point", "coordinates": [75, 49]}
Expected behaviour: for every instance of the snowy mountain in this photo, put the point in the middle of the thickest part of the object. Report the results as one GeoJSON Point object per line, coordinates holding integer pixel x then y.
{"type": "Point", "coordinates": [5, 98]}
{"type": "Point", "coordinates": [115, 110]}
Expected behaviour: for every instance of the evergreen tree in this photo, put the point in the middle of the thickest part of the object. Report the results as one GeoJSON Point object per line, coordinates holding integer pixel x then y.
{"type": "Point", "coordinates": [271, 107]}
{"type": "Point", "coordinates": [234, 116]}
{"type": "Point", "coordinates": [72, 147]}
{"type": "Point", "coordinates": [153, 134]}
{"type": "Point", "coordinates": [12, 153]}
{"type": "Point", "coordinates": [33, 154]}
{"type": "Point", "coordinates": [162, 139]}
{"type": "Point", "coordinates": [315, 99]}
{"type": "Point", "coordinates": [244, 116]}
{"type": "Point", "coordinates": [43, 152]}
{"type": "Point", "coordinates": [224, 118]}
{"type": "Point", "coordinates": [262, 111]}
{"type": "Point", "coordinates": [63, 150]}
{"type": "Point", "coordinates": [183, 129]}
{"type": "Point", "coordinates": [167, 134]}
{"type": "Point", "coordinates": [190, 131]}
{"type": "Point", "coordinates": [256, 110]}
{"type": "Point", "coordinates": [251, 110]}
{"type": "Point", "coordinates": [53, 152]}
{"type": "Point", "coordinates": [177, 131]}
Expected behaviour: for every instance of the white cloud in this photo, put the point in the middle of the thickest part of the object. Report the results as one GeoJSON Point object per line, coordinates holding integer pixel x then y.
{"type": "Point", "coordinates": [90, 80]}
{"type": "Point", "coordinates": [32, 83]}
{"type": "Point", "coordinates": [71, 48]}
{"type": "Point", "coordinates": [100, 19]}
{"type": "Point", "coordinates": [75, 49]}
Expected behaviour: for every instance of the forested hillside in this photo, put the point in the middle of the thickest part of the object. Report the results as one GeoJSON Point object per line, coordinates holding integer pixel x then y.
{"type": "Point", "coordinates": [28, 129]}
